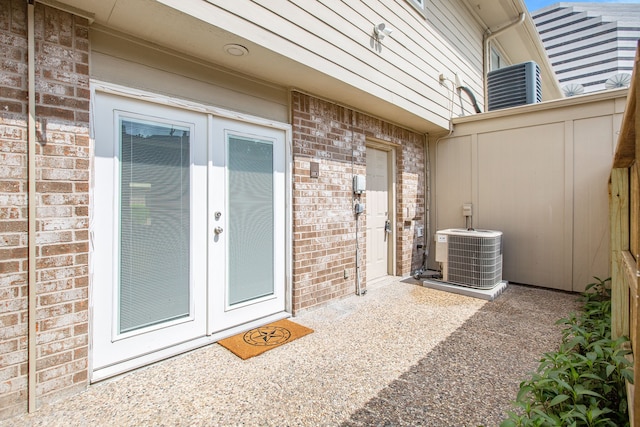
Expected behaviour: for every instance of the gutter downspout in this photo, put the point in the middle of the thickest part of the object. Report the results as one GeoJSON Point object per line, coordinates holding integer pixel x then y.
{"type": "Point", "coordinates": [427, 202]}
{"type": "Point", "coordinates": [31, 200]}
{"type": "Point", "coordinates": [488, 36]}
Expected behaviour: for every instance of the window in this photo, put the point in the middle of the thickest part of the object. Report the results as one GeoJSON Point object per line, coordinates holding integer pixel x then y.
{"type": "Point", "coordinates": [496, 60]}
{"type": "Point", "coordinates": [419, 5]}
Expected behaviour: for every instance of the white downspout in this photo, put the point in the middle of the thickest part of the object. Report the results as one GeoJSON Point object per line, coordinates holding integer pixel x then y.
{"type": "Point", "coordinates": [427, 202]}
{"type": "Point", "coordinates": [31, 200]}
{"type": "Point", "coordinates": [488, 36]}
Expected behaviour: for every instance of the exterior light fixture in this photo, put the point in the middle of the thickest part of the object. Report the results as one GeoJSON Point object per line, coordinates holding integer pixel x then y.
{"type": "Point", "coordinates": [236, 49]}
{"type": "Point", "coordinates": [382, 30]}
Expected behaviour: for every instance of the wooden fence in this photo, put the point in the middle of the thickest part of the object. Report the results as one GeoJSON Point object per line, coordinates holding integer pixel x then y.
{"type": "Point", "coordinates": [624, 208]}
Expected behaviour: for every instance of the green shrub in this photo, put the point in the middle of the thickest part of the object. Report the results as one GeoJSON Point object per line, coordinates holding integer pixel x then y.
{"type": "Point", "coordinates": [582, 384]}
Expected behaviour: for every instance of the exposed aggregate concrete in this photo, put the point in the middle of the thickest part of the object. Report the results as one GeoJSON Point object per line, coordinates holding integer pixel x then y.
{"type": "Point", "coordinates": [402, 355]}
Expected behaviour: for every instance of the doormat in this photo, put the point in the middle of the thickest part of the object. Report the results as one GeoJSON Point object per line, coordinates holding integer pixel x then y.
{"type": "Point", "coordinates": [257, 341]}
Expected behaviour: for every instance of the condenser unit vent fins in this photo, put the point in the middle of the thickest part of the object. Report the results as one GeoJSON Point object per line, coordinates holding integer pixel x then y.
{"type": "Point", "coordinates": [515, 85]}
{"type": "Point", "coordinates": [470, 257]}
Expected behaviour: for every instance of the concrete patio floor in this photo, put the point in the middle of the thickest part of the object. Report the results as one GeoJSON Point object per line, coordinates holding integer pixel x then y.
{"type": "Point", "coordinates": [401, 355]}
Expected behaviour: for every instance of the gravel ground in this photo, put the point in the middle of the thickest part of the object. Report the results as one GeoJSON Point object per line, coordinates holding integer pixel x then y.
{"type": "Point", "coordinates": [402, 355]}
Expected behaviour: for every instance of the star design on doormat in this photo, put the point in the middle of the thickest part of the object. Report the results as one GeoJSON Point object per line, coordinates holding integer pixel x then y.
{"type": "Point", "coordinates": [267, 336]}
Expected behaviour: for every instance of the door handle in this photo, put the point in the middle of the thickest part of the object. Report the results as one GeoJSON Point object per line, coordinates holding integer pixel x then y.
{"type": "Point", "coordinates": [218, 230]}
{"type": "Point", "coordinates": [387, 229]}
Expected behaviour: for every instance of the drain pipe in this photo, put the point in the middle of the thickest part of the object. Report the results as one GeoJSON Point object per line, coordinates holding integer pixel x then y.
{"type": "Point", "coordinates": [358, 213]}
{"type": "Point", "coordinates": [427, 202]}
{"type": "Point", "coordinates": [472, 98]}
{"type": "Point", "coordinates": [31, 200]}
{"type": "Point", "coordinates": [488, 36]}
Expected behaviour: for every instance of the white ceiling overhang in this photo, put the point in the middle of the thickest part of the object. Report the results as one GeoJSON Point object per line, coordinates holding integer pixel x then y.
{"type": "Point", "coordinates": [521, 43]}
{"type": "Point", "coordinates": [198, 30]}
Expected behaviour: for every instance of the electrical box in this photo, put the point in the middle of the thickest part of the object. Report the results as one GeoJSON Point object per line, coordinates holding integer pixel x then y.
{"type": "Point", "coordinates": [359, 184]}
{"type": "Point", "coordinates": [359, 208]}
{"type": "Point", "coordinates": [314, 170]}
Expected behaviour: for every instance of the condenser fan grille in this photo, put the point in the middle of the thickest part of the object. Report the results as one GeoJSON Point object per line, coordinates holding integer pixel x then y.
{"type": "Point", "coordinates": [475, 261]}
{"type": "Point", "coordinates": [470, 258]}
{"type": "Point", "coordinates": [514, 85]}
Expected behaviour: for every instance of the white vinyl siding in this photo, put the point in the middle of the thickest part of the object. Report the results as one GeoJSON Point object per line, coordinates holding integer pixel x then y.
{"type": "Point", "coordinates": [333, 41]}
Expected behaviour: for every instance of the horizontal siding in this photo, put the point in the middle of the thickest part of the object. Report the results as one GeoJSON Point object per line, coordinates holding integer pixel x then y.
{"type": "Point", "coordinates": [461, 35]}
{"type": "Point", "coordinates": [336, 38]}
{"type": "Point", "coordinates": [461, 45]}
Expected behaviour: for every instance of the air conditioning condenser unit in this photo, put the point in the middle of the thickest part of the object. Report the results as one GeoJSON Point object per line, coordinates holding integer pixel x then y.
{"type": "Point", "coordinates": [515, 85]}
{"type": "Point", "coordinates": [471, 258]}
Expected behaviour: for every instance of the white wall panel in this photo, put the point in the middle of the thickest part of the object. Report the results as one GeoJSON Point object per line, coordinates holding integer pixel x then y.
{"type": "Point", "coordinates": [118, 60]}
{"type": "Point", "coordinates": [591, 173]}
{"type": "Point", "coordinates": [521, 192]}
{"type": "Point", "coordinates": [453, 180]}
{"type": "Point", "coordinates": [539, 174]}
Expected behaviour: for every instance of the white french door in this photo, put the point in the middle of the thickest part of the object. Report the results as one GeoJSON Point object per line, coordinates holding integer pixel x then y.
{"type": "Point", "coordinates": [248, 220]}
{"type": "Point", "coordinates": [188, 228]}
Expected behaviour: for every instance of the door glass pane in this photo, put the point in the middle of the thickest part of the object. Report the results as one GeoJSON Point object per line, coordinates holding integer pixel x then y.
{"type": "Point", "coordinates": [154, 223]}
{"type": "Point", "coordinates": [250, 213]}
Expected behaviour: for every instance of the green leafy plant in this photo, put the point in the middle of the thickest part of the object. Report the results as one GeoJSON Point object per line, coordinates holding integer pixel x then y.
{"type": "Point", "coordinates": [583, 383]}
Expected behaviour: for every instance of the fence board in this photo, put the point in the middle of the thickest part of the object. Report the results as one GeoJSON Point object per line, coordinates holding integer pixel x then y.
{"type": "Point", "coordinates": [624, 217]}
{"type": "Point", "coordinates": [619, 221]}
{"type": "Point", "coordinates": [635, 209]}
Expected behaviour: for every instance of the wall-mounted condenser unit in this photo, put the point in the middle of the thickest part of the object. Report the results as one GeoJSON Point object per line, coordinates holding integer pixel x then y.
{"type": "Point", "coordinates": [518, 84]}
{"type": "Point", "coordinates": [470, 258]}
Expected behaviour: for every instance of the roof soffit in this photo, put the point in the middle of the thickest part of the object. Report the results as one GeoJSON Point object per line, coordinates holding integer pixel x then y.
{"type": "Point", "coordinates": [522, 42]}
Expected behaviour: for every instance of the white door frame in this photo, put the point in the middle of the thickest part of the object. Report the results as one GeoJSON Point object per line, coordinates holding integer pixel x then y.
{"type": "Point", "coordinates": [223, 314]}
{"type": "Point", "coordinates": [392, 170]}
{"type": "Point", "coordinates": [139, 95]}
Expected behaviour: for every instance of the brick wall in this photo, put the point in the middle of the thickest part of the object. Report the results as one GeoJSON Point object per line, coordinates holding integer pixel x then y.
{"type": "Point", "coordinates": [324, 224]}
{"type": "Point", "coordinates": [62, 200]}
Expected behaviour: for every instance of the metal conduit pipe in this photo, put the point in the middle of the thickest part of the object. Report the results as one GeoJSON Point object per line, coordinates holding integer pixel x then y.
{"type": "Point", "coordinates": [488, 36]}
{"type": "Point", "coordinates": [427, 204]}
{"type": "Point", "coordinates": [471, 97]}
{"type": "Point", "coordinates": [31, 201]}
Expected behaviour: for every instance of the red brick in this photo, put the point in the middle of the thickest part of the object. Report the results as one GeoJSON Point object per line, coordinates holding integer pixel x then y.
{"type": "Point", "coordinates": [12, 253]}
{"type": "Point", "coordinates": [13, 226]}
{"type": "Point", "coordinates": [61, 297]}
{"type": "Point", "coordinates": [66, 248]}
{"type": "Point", "coordinates": [65, 102]}
{"type": "Point", "coordinates": [54, 113]}
{"type": "Point", "coordinates": [11, 186]}
{"type": "Point", "coordinates": [54, 311]}
{"type": "Point", "coordinates": [336, 138]}
{"type": "Point", "coordinates": [9, 267]}
{"type": "Point", "coordinates": [80, 329]}
{"type": "Point", "coordinates": [54, 187]}
{"type": "Point", "coordinates": [81, 377]}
